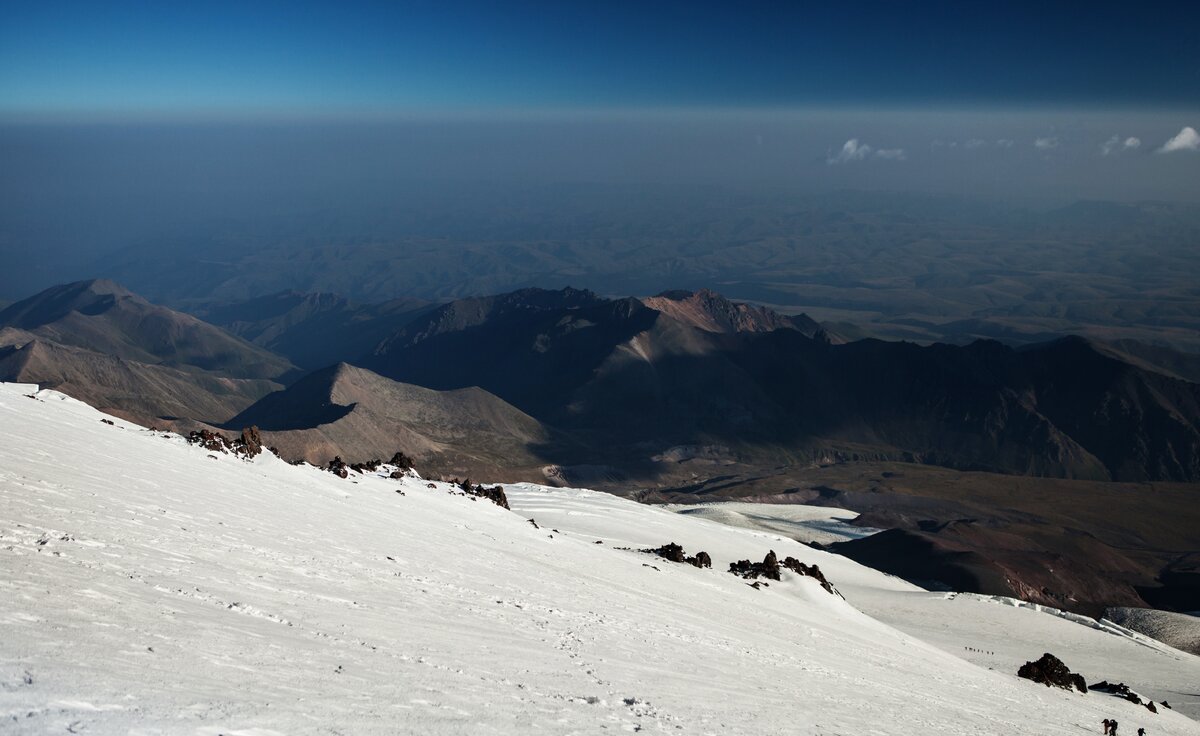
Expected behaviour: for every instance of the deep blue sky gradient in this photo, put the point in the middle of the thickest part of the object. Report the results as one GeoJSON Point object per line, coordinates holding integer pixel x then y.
{"type": "Point", "coordinates": [131, 58]}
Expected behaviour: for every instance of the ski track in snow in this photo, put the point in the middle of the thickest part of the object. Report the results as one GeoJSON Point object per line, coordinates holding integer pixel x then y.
{"type": "Point", "coordinates": [147, 588]}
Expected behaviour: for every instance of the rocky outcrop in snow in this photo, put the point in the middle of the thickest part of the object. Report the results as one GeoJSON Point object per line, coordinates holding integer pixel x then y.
{"type": "Point", "coordinates": [1050, 671]}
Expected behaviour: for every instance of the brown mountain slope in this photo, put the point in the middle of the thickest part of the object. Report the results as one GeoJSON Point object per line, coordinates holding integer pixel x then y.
{"type": "Point", "coordinates": [146, 394]}
{"type": "Point", "coordinates": [359, 415]}
{"type": "Point", "coordinates": [106, 318]}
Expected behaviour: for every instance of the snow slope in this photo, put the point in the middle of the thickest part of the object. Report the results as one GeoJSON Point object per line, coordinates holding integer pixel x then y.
{"type": "Point", "coordinates": [148, 586]}
{"type": "Point", "coordinates": [820, 524]}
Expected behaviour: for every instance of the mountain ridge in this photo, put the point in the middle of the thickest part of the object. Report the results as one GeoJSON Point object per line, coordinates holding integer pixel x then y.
{"type": "Point", "coordinates": [104, 317]}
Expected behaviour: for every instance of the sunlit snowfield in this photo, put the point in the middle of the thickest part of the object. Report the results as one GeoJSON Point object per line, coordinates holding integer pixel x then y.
{"type": "Point", "coordinates": [147, 585]}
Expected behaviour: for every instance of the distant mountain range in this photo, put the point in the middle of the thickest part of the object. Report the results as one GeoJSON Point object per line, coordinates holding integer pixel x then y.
{"type": "Point", "coordinates": [637, 381]}
{"type": "Point", "coordinates": [640, 387]}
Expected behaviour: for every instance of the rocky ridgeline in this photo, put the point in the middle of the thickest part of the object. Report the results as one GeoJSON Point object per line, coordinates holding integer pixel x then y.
{"type": "Point", "coordinates": [495, 494]}
{"type": "Point", "coordinates": [247, 445]}
{"type": "Point", "coordinates": [770, 569]}
{"type": "Point", "coordinates": [341, 469]}
{"type": "Point", "coordinates": [674, 553]}
{"type": "Point", "coordinates": [402, 464]}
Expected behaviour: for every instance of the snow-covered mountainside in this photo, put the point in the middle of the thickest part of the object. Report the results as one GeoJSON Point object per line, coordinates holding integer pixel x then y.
{"type": "Point", "coordinates": [148, 586]}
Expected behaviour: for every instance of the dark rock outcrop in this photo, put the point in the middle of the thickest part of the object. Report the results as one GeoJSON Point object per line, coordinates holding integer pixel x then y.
{"type": "Point", "coordinates": [246, 445]}
{"type": "Point", "coordinates": [495, 494]}
{"type": "Point", "coordinates": [338, 467]}
{"type": "Point", "coordinates": [768, 568]}
{"type": "Point", "coordinates": [1050, 671]}
{"type": "Point", "coordinates": [670, 551]}
{"type": "Point", "coordinates": [369, 466]}
{"type": "Point", "coordinates": [674, 553]}
{"type": "Point", "coordinates": [250, 442]}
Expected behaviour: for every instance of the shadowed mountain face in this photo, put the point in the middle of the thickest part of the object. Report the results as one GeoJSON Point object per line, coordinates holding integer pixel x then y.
{"type": "Point", "coordinates": [359, 415]}
{"type": "Point", "coordinates": [106, 318]}
{"type": "Point", "coordinates": [637, 381]}
{"type": "Point", "coordinates": [314, 330]}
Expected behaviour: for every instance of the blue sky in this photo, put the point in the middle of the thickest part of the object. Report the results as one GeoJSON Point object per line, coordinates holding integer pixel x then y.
{"type": "Point", "coordinates": [255, 58]}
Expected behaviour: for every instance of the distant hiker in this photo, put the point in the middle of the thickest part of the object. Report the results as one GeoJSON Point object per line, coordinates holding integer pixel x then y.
{"type": "Point", "coordinates": [1107, 725]}
{"type": "Point", "coordinates": [1141, 732]}
{"type": "Point", "coordinates": [1112, 728]}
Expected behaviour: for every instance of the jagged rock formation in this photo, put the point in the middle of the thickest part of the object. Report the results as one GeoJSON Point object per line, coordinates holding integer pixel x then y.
{"type": "Point", "coordinates": [248, 444]}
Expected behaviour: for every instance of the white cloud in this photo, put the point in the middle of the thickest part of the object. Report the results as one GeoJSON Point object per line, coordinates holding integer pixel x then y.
{"type": "Point", "coordinates": [975, 143]}
{"type": "Point", "coordinates": [1004, 143]}
{"type": "Point", "coordinates": [852, 150]}
{"type": "Point", "coordinates": [1186, 140]}
{"type": "Point", "coordinates": [1116, 145]}
{"type": "Point", "coordinates": [1046, 144]}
